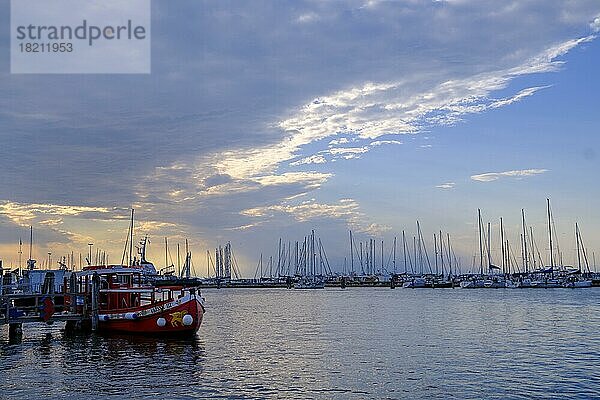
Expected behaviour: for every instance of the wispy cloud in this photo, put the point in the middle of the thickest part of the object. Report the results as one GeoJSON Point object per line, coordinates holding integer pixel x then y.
{"type": "Point", "coordinates": [24, 214]}
{"type": "Point", "coordinates": [493, 176]}
{"type": "Point", "coordinates": [447, 185]}
{"type": "Point", "coordinates": [384, 142]}
{"type": "Point", "coordinates": [345, 209]}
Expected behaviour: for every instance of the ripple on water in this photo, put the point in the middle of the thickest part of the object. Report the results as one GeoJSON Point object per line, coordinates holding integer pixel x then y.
{"type": "Point", "coordinates": [331, 344]}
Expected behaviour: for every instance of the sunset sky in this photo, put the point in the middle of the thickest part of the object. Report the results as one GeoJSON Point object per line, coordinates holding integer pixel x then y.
{"type": "Point", "coordinates": [266, 119]}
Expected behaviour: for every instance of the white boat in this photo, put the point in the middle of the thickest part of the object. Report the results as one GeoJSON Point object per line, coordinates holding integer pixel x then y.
{"type": "Point", "coordinates": [310, 283]}
{"type": "Point", "coordinates": [577, 283]}
{"type": "Point", "coordinates": [415, 283]}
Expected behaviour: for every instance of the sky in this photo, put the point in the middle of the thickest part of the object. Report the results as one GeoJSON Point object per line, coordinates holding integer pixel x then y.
{"type": "Point", "coordinates": [266, 119]}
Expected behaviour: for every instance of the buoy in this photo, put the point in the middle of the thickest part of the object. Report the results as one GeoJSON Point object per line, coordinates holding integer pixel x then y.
{"type": "Point", "coordinates": [188, 320]}
{"type": "Point", "coordinates": [161, 322]}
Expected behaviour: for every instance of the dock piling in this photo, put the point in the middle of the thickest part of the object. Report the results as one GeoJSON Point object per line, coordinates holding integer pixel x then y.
{"type": "Point", "coordinates": [95, 294]}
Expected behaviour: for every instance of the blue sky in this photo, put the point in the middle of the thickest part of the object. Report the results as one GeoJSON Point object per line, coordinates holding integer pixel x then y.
{"type": "Point", "coordinates": [265, 119]}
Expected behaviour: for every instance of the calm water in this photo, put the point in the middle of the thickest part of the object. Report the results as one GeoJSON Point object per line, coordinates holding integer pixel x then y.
{"type": "Point", "coordinates": [358, 343]}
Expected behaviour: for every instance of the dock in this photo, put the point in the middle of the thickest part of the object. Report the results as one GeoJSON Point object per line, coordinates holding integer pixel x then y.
{"type": "Point", "coordinates": [76, 304]}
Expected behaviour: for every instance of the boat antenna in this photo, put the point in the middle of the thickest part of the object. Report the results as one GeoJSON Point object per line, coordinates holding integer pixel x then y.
{"type": "Point", "coordinates": [20, 251]}
{"type": "Point", "coordinates": [30, 240]}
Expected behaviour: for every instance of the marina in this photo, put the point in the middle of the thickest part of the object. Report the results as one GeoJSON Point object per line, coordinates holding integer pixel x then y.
{"type": "Point", "coordinates": [135, 297]}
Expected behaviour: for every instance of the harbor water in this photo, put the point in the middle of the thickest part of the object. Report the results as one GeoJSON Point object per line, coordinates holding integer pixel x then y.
{"type": "Point", "coordinates": [358, 343]}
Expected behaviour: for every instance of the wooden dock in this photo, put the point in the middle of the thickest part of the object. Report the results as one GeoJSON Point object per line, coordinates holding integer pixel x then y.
{"type": "Point", "coordinates": [77, 305]}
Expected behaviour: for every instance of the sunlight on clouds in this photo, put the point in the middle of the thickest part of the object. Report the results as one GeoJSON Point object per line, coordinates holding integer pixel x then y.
{"type": "Point", "coordinates": [376, 109]}
{"type": "Point", "coordinates": [309, 180]}
{"type": "Point", "coordinates": [345, 209]}
{"type": "Point", "coordinates": [24, 214]}
{"type": "Point", "coordinates": [493, 176]}
{"type": "Point", "coordinates": [314, 159]}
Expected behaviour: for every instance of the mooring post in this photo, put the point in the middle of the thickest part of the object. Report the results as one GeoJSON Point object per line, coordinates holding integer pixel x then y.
{"type": "Point", "coordinates": [15, 331]}
{"type": "Point", "coordinates": [73, 292]}
{"type": "Point", "coordinates": [95, 294]}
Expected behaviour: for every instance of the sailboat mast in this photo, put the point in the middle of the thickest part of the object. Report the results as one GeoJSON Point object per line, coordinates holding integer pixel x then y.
{"type": "Point", "coordinates": [382, 256]}
{"type": "Point", "coordinates": [435, 249]}
{"type": "Point", "coordinates": [503, 251]}
{"type": "Point", "coordinates": [442, 252]}
{"type": "Point", "coordinates": [550, 234]}
{"type": "Point", "coordinates": [404, 251]}
{"type": "Point", "coordinates": [449, 257]}
{"type": "Point", "coordinates": [578, 251]}
{"type": "Point", "coordinates": [394, 260]}
{"type": "Point", "coordinates": [489, 241]}
{"type": "Point", "coordinates": [526, 253]}
{"type": "Point", "coordinates": [131, 239]}
{"type": "Point", "coordinates": [351, 253]}
{"type": "Point", "coordinates": [480, 242]}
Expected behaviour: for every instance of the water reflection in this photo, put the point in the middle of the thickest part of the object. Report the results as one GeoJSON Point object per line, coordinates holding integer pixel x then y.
{"type": "Point", "coordinates": [331, 344]}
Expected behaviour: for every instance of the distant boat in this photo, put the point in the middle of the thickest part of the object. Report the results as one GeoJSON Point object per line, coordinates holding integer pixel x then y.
{"type": "Point", "coordinates": [418, 282]}
{"type": "Point", "coordinates": [310, 283]}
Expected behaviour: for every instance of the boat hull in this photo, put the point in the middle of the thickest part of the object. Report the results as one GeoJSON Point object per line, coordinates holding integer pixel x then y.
{"type": "Point", "coordinates": [178, 317]}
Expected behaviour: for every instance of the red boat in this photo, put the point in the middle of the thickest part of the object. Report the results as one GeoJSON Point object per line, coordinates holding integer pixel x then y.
{"type": "Point", "coordinates": [128, 303]}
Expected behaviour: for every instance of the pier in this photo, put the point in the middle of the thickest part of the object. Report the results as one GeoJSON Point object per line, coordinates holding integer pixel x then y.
{"type": "Point", "coordinates": [76, 304]}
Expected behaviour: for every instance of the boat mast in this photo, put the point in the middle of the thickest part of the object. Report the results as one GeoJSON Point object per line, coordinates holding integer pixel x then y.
{"type": "Point", "coordinates": [351, 253]}
{"type": "Point", "coordinates": [166, 253]}
{"type": "Point", "coordinates": [131, 239]}
{"type": "Point", "coordinates": [20, 252]}
{"type": "Point", "coordinates": [489, 243]}
{"type": "Point", "coordinates": [394, 260]}
{"type": "Point", "coordinates": [449, 257]}
{"type": "Point", "coordinates": [480, 242]}
{"type": "Point", "coordinates": [578, 251]}
{"type": "Point", "coordinates": [404, 251]}
{"type": "Point", "coordinates": [503, 251]}
{"type": "Point", "coordinates": [442, 253]}
{"type": "Point", "coordinates": [382, 256]}
{"type": "Point", "coordinates": [550, 235]}
{"type": "Point", "coordinates": [435, 249]}
{"type": "Point", "coordinates": [420, 249]}
{"type": "Point", "coordinates": [526, 253]}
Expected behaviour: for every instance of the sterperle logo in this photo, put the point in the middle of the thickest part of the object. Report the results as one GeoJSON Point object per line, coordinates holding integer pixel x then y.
{"type": "Point", "coordinates": [85, 31]}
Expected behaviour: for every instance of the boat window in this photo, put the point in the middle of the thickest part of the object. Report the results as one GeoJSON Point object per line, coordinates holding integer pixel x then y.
{"type": "Point", "coordinates": [122, 279]}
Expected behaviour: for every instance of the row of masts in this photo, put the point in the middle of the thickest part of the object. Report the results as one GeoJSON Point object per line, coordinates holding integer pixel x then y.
{"type": "Point", "coordinates": [305, 258]}
{"type": "Point", "coordinates": [417, 263]}
{"type": "Point", "coordinates": [224, 266]}
{"type": "Point", "coordinates": [531, 257]}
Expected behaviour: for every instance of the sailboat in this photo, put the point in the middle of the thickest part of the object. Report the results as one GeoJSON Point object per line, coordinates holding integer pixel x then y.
{"type": "Point", "coordinates": [576, 279]}
{"type": "Point", "coordinates": [309, 278]}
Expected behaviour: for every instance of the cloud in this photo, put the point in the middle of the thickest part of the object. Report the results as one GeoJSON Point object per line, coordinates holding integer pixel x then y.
{"type": "Point", "coordinates": [595, 24]}
{"type": "Point", "coordinates": [24, 214]}
{"type": "Point", "coordinates": [345, 209]}
{"type": "Point", "coordinates": [307, 18]}
{"type": "Point", "coordinates": [447, 185]}
{"type": "Point", "coordinates": [384, 142]}
{"type": "Point", "coordinates": [314, 159]}
{"type": "Point", "coordinates": [493, 176]}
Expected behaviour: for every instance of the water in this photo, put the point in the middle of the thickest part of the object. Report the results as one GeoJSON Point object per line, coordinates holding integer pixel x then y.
{"type": "Point", "coordinates": [357, 343]}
